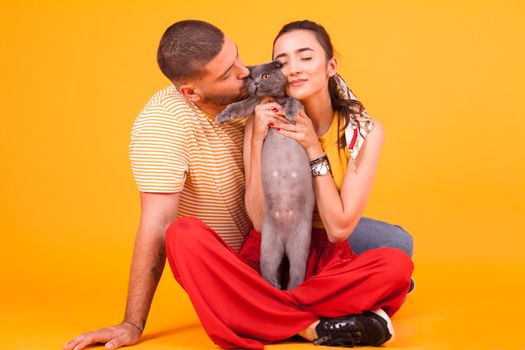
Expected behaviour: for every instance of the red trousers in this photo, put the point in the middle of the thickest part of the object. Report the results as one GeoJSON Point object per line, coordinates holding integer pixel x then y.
{"type": "Point", "coordinates": [238, 308]}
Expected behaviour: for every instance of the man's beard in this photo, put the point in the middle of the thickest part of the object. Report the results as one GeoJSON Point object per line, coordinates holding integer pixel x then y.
{"type": "Point", "coordinates": [224, 100]}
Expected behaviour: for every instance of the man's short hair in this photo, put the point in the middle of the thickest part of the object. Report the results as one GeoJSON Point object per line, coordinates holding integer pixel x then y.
{"type": "Point", "coordinates": [186, 47]}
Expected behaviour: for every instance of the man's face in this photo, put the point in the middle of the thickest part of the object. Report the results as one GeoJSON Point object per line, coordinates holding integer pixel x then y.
{"type": "Point", "coordinates": [223, 81]}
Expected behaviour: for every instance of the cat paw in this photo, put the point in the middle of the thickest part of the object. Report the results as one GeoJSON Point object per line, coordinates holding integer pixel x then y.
{"type": "Point", "coordinates": [222, 118]}
{"type": "Point", "coordinates": [291, 109]}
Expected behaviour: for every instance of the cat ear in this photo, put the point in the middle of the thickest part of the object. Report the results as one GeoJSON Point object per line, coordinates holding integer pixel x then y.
{"type": "Point", "coordinates": [276, 64]}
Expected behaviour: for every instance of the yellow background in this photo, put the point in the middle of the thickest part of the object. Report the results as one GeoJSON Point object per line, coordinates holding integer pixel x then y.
{"type": "Point", "coordinates": [446, 79]}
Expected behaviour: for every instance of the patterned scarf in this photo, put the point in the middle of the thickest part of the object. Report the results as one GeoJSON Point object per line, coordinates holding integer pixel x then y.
{"type": "Point", "coordinates": [360, 123]}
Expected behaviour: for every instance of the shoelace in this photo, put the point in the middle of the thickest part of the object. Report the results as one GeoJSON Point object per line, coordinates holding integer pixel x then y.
{"type": "Point", "coordinates": [334, 335]}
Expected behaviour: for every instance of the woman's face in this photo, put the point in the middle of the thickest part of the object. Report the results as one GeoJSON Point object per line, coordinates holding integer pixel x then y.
{"type": "Point", "coordinates": [304, 63]}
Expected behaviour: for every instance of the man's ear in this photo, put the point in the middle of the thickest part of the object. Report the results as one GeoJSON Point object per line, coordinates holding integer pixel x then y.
{"type": "Point", "coordinates": [191, 92]}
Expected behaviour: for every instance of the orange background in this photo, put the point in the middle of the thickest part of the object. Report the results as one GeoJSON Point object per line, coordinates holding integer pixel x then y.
{"type": "Point", "coordinates": [446, 79]}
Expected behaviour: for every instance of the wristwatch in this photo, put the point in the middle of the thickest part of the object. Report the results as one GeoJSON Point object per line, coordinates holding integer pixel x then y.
{"type": "Point", "coordinates": [320, 165]}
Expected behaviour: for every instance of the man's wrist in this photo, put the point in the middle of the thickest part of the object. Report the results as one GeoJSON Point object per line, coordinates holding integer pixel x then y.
{"type": "Point", "coordinates": [134, 324]}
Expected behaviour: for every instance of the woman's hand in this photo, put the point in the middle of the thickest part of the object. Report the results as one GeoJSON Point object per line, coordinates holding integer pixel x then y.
{"type": "Point", "coordinates": [268, 113]}
{"type": "Point", "coordinates": [303, 131]}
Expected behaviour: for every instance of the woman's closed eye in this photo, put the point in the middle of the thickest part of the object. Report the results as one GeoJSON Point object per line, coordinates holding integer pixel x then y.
{"type": "Point", "coordinates": [302, 59]}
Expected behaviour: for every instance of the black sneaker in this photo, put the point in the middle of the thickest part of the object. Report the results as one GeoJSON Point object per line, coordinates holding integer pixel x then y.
{"type": "Point", "coordinates": [412, 285]}
{"type": "Point", "coordinates": [367, 328]}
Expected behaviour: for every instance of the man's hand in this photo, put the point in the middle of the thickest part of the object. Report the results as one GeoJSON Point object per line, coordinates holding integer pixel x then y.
{"type": "Point", "coordinates": [158, 211]}
{"type": "Point", "coordinates": [113, 336]}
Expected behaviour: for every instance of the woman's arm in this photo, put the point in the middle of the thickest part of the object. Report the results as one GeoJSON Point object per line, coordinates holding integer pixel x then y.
{"type": "Point", "coordinates": [253, 197]}
{"type": "Point", "coordinates": [255, 132]}
{"type": "Point", "coordinates": [340, 212]}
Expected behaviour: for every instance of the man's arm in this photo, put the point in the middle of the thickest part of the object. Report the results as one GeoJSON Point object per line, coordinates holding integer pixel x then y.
{"type": "Point", "coordinates": [149, 253]}
{"type": "Point", "coordinates": [158, 210]}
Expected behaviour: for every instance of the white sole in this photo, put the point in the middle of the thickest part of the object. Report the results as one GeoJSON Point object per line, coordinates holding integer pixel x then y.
{"type": "Point", "coordinates": [383, 314]}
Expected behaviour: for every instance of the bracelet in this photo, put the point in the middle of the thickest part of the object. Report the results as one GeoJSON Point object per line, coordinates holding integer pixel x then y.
{"type": "Point", "coordinates": [318, 159]}
{"type": "Point", "coordinates": [134, 325]}
{"type": "Point", "coordinates": [320, 165]}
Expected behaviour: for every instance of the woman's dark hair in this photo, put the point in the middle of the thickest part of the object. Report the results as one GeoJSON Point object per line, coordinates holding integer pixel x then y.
{"type": "Point", "coordinates": [345, 108]}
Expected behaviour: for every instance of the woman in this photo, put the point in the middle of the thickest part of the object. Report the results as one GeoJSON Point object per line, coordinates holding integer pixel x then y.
{"type": "Point", "coordinates": [334, 130]}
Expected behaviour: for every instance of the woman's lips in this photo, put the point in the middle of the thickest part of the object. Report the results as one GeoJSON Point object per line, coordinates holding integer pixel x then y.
{"type": "Point", "coordinates": [297, 82]}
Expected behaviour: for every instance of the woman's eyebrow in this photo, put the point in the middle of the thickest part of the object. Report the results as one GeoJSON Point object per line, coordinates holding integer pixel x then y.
{"type": "Point", "coordinates": [302, 49]}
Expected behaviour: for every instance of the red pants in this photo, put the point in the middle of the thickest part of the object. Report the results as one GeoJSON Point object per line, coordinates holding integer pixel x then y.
{"type": "Point", "coordinates": [238, 308]}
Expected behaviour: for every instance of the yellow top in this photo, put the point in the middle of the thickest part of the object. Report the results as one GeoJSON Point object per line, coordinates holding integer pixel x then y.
{"type": "Point", "coordinates": [337, 157]}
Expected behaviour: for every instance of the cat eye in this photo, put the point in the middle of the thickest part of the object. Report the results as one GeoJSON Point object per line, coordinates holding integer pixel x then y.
{"type": "Point", "coordinates": [251, 77]}
{"type": "Point", "coordinates": [264, 76]}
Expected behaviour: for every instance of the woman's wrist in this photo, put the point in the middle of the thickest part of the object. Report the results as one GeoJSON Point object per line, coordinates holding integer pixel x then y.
{"type": "Point", "coordinates": [256, 144]}
{"type": "Point", "coordinates": [314, 152]}
{"type": "Point", "coordinates": [257, 139]}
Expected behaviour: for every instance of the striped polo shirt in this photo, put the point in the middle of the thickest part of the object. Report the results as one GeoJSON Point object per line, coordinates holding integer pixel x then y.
{"type": "Point", "coordinates": [176, 147]}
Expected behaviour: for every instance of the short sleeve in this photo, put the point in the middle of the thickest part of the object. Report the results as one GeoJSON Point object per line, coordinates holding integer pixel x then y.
{"type": "Point", "coordinates": [158, 151]}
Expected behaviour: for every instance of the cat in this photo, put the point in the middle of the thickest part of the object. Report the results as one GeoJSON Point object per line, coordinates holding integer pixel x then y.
{"type": "Point", "coordinates": [286, 178]}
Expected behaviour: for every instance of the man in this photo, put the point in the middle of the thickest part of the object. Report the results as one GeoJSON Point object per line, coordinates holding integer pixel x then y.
{"type": "Point", "coordinates": [186, 165]}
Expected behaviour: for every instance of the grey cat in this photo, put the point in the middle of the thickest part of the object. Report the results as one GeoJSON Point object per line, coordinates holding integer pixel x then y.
{"type": "Point", "coordinates": [286, 179]}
